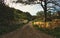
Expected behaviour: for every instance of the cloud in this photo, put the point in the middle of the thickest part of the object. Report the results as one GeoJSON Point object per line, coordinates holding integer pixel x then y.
{"type": "Point", "coordinates": [32, 9]}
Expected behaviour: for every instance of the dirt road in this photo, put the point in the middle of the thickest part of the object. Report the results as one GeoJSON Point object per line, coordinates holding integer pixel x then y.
{"type": "Point", "coordinates": [27, 31]}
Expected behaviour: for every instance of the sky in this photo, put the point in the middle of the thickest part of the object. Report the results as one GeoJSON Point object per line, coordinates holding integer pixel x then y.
{"type": "Point", "coordinates": [32, 9]}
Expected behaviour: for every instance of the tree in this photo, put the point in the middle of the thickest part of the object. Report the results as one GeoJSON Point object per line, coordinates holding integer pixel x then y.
{"type": "Point", "coordinates": [58, 13]}
{"type": "Point", "coordinates": [43, 3]}
{"type": "Point", "coordinates": [29, 16]}
{"type": "Point", "coordinates": [41, 14]}
{"type": "Point", "coordinates": [1, 1]}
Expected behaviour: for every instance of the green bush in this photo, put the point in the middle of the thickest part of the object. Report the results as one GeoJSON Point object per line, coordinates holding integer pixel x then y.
{"type": "Point", "coordinates": [8, 28]}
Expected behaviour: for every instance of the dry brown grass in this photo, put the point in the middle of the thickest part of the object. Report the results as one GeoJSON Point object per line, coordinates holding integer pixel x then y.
{"type": "Point", "coordinates": [51, 25]}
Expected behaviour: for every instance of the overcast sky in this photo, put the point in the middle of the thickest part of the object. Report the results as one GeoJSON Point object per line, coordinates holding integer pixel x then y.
{"type": "Point", "coordinates": [32, 9]}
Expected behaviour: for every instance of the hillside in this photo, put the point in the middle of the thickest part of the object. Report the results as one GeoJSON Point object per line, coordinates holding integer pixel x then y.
{"type": "Point", "coordinates": [10, 18]}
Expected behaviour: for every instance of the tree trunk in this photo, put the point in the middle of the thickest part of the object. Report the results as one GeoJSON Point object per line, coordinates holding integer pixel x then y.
{"type": "Point", "coordinates": [45, 10]}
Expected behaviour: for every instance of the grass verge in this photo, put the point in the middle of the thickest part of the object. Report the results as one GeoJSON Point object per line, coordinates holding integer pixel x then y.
{"type": "Point", "coordinates": [8, 28]}
{"type": "Point", "coordinates": [54, 32]}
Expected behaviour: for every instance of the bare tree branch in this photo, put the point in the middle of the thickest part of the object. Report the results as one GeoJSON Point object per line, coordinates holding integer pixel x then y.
{"type": "Point", "coordinates": [42, 5]}
{"type": "Point", "coordinates": [54, 2]}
